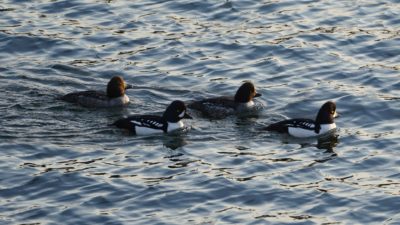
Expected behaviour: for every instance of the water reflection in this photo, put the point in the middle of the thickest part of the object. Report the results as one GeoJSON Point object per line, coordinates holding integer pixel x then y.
{"type": "Point", "coordinates": [244, 127]}
{"type": "Point", "coordinates": [328, 143]}
{"type": "Point", "coordinates": [174, 141]}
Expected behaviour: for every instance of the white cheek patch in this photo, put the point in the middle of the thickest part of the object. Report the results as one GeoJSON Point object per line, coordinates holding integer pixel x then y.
{"type": "Point", "coordinates": [182, 114]}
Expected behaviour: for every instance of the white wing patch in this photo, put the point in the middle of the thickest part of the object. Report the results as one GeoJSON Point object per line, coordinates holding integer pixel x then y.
{"type": "Point", "coordinates": [147, 126]}
{"type": "Point", "coordinates": [155, 123]}
{"type": "Point", "coordinates": [308, 125]}
{"type": "Point", "coordinates": [147, 123]}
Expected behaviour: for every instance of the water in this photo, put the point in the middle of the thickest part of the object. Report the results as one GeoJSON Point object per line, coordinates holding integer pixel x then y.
{"type": "Point", "coordinates": [63, 164]}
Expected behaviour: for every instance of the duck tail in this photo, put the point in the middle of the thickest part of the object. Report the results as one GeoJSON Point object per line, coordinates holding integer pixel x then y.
{"type": "Point", "coordinates": [123, 123]}
{"type": "Point", "coordinates": [277, 127]}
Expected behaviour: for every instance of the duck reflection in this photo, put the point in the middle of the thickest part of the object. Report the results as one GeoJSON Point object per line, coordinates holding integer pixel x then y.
{"type": "Point", "coordinates": [174, 141]}
{"type": "Point", "coordinates": [244, 125]}
{"type": "Point", "coordinates": [328, 143]}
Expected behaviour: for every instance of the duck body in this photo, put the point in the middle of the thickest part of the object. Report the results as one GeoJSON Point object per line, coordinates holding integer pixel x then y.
{"type": "Point", "coordinates": [114, 97]}
{"type": "Point", "coordinates": [223, 106]}
{"type": "Point", "coordinates": [305, 128]}
{"type": "Point", "coordinates": [218, 107]}
{"type": "Point", "coordinates": [147, 124]}
{"type": "Point", "coordinates": [152, 124]}
{"type": "Point", "coordinates": [301, 128]}
{"type": "Point", "coordinates": [93, 99]}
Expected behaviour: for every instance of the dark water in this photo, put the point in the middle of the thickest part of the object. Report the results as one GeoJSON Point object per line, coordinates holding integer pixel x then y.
{"type": "Point", "coordinates": [62, 164]}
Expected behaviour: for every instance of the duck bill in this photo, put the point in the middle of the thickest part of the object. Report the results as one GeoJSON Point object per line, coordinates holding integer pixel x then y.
{"type": "Point", "coordinates": [187, 116]}
{"type": "Point", "coordinates": [257, 95]}
{"type": "Point", "coordinates": [336, 115]}
{"type": "Point", "coordinates": [128, 86]}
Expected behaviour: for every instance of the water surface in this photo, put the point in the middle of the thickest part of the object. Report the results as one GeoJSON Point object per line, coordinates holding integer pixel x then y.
{"type": "Point", "coordinates": [63, 164]}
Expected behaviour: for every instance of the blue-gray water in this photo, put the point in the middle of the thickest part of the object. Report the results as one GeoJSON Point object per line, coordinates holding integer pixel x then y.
{"type": "Point", "coordinates": [63, 164]}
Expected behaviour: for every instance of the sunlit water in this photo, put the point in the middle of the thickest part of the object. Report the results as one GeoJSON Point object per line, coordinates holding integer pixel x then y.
{"type": "Point", "coordinates": [64, 164]}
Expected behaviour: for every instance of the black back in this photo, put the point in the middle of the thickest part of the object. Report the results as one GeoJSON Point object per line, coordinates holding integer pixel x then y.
{"type": "Point", "coordinates": [283, 126]}
{"type": "Point", "coordinates": [149, 121]}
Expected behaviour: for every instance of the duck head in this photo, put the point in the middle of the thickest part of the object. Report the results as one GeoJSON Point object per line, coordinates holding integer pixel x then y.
{"type": "Point", "coordinates": [116, 87]}
{"type": "Point", "coordinates": [246, 93]}
{"type": "Point", "coordinates": [175, 112]}
{"type": "Point", "coordinates": [326, 113]}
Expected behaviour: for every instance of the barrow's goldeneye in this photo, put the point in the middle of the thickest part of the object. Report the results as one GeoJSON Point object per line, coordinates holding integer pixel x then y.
{"type": "Point", "coordinates": [304, 128]}
{"type": "Point", "coordinates": [114, 97]}
{"type": "Point", "coordinates": [220, 107]}
{"type": "Point", "coordinates": [150, 124]}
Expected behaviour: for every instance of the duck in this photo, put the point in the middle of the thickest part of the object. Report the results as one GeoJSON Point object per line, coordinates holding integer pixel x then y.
{"type": "Point", "coordinates": [223, 106]}
{"type": "Point", "coordinates": [171, 120]}
{"type": "Point", "coordinates": [114, 96]}
{"type": "Point", "coordinates": [306, 128]}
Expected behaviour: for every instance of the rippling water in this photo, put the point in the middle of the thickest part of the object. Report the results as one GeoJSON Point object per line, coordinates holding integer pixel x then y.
{"type": "Point", "coordinates": [63, 164]}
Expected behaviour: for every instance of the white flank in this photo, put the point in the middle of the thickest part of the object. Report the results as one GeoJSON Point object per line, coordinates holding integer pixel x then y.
{"type": "Point", "coordinates": [303, 133]}
{"type": "Point", "coordinates": [147, 131]}
{"type": "Point", "coordinates": [175, 126]}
